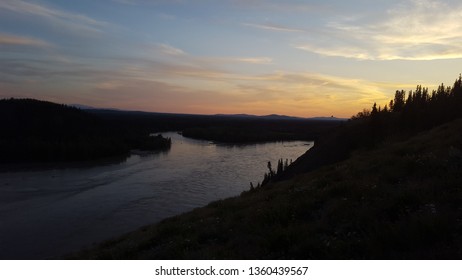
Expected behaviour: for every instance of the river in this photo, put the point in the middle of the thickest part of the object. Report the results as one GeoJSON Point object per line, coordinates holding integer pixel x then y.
{"type": "Point", "coordinates": [48, 213]}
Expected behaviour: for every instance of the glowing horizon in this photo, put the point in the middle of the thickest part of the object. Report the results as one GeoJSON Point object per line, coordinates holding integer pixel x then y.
{"type": "Point", "coordinates": [296, 58]}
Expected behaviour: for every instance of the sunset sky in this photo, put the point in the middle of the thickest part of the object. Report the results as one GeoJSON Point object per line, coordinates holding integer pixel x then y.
{"type": "Point", "coordinates": [299, 58]}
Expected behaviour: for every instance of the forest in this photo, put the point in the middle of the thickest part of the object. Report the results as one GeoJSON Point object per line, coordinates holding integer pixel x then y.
{"type": "Point", "coordinates": [416, 111]}
{"type": "Point", "coordinates": [407, 114]}
{"type": "Point", "coordinates": [236, 129]}
{"type": "Point", "coordinates": [40, 131]}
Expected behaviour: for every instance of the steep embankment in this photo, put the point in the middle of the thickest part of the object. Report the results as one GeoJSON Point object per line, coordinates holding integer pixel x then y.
{"type": "Point", "coordinates": [397, 199]}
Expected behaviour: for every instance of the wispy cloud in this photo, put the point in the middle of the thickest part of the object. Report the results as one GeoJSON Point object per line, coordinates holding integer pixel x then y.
{"type": "Point", "coordinates": [109, 85]}
{"type": "Point", "coordinates": [185, 58]}
{"type": "Point", "coordinates": [64, 18]}
{"type": "Point", "coordinates": [169, 50]}
{"type": "Point", "coordinates": [199, 87]}
{"type": "Point", "coordinates": [255, 60]}
{"type": "Point", "coordinates": [273, 27]}
{"type": "Point", "coordinates": [8, 39]}
{"type": "Point", "coordinates": [341, 51]}
{"type": "Point", "coordinates": [289, 7]}
{"type": "Point", "coordinates": [52, 70]}
{"type": "Point", "coordinates": [412, 30]}
{"type": "Point", "coordinates": [311, 93]}
{"type": "Point", "coordinates": [299, 93]}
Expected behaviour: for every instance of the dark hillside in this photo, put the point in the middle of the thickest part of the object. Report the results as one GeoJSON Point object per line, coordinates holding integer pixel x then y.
{"type": "Point", "coordinates": [399, 200]}
{"type": "Point", "coordinates": [40, 131]}
{"type": "Point", "coordinates": [402, 118]}
{"type": "Point", "coordinates": [33, 118]}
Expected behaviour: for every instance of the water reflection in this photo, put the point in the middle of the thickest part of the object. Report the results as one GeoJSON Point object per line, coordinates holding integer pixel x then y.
{"type": "Point", "coordinates": [50, 212]}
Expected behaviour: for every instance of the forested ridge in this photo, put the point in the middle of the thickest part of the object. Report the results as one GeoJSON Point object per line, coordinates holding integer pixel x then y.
{"type": "Point", "coordinates": [407, 114]}
{"type": "Point", "coordinates": [233, 129]}
{"type": "Point", "coordinates": [41, 131]}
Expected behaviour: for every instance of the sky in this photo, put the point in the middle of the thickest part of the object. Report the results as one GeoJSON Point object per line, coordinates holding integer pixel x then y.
{"type": "Point", "coordinates": [298, 58]}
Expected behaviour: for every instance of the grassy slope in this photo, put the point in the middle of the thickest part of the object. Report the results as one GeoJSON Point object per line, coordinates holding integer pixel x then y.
{"type": "Point", "coordinates": [399, 200]}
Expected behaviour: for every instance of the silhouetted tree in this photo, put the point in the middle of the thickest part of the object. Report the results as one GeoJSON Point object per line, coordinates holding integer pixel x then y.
{"type": "Point", "coordinates": [271, 172]}
{"type": "Point", "coordinates": [374, 111]}
{"type": "Point", "coordinates": [399, 101]}
{"type": "Point", "coordinates": [280, 168]}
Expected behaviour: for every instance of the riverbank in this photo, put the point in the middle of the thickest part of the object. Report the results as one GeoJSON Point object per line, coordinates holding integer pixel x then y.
{"type": "Point", "coordinates": [48, 213]}
{"type": "Point", "coordinates": [398, 200]}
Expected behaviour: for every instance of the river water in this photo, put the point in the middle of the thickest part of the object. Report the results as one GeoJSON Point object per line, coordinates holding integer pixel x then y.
{"type": "Point", "coordinates": [48, 213]}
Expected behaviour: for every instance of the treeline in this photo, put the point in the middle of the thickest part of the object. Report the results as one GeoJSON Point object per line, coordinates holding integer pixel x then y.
{"type": "Point", "coordinates": [223, 128]}
{"type": "Point", "coordinates": [417, 110]}
{"type": "Point", "coordinates": [404, 116]}
{"type": "Point", "coordinates": [272, 174]}
{"type": "Point", "coordinates": [251, 130]}
{"type": "Point", "coordinates": [229, 134]}
{"type": "Point", "coordinates": [40, 131]}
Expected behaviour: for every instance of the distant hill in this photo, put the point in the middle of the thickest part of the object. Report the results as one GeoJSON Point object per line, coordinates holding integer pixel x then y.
{"type": "Point", "coordinates": [281, 117]}
{"type": "Point", "coordinates": [270, 117]}
{"type": "Point", "coordinates": [328, 119]}
{"type": "Point", "coordinates": [82, 107]}
{"type": "Point", "coordinates": [239, 128]}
